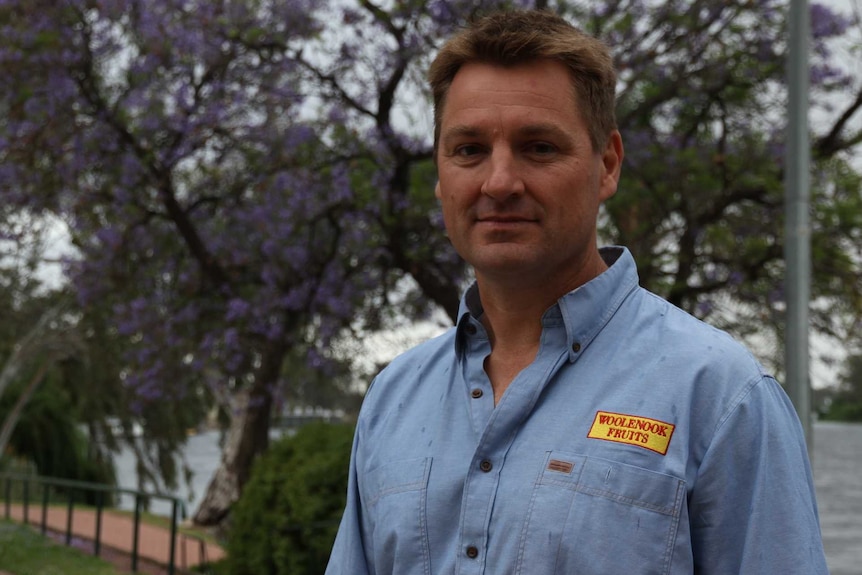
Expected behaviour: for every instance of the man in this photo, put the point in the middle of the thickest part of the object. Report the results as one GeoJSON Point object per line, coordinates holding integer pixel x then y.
{"type": "Point", "coordinates": [572, 422]}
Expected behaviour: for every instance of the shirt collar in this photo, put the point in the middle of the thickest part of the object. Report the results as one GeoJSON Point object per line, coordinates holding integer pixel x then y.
{"type": "Point", "coordinates": [583, 311]}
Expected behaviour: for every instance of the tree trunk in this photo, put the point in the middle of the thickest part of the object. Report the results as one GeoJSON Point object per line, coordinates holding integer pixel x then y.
{"type": "Point", "coordinates": [27, 346]}
{"type": "Point", "coordinates": [247, 437]}
{"type": "Point", "coordinates": [14, 415]}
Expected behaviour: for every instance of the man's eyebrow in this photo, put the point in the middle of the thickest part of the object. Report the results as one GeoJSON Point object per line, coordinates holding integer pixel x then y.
{"type": "Point", "coordinates": [543, 129]}
{"type": "Point", "coordinates": [461, 131]}
{"type": "Point", "coordinates": [529, 130]}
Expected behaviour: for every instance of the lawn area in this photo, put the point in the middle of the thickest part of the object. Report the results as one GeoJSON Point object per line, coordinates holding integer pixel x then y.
{"type": "Point", "coordinates": [24, 551]}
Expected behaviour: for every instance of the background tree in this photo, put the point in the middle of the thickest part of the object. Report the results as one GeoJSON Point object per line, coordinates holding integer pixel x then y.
{"type": "Point", "coordinates": [845, 403]}
{"type": "Point", "coordinates": [39, 348]}
{"type": "Point", "coordinates": [705, 221]}
{"type": "Point", "coordinates": [245, 181]}
{"type": "Point", "coordinates": [222, 229]}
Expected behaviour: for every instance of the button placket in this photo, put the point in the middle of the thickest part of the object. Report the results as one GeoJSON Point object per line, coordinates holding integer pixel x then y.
{"type": "Point", "coordinates": [481, 489]}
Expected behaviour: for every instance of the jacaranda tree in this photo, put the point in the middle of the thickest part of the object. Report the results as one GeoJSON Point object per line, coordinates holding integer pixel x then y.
{"type": "Point", "coordinates": [246, 181]}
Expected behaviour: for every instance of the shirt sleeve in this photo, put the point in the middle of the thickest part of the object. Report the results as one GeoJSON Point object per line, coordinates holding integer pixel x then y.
{"type": "Point", "coordinates": [348, 552]}
{"type": "Point", "coordinates": [752, 508]}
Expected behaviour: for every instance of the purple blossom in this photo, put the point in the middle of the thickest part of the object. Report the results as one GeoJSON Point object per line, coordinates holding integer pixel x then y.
{"type": "Point", "coordinates": [822, 74]}
{"type": "Point", "coordinates": [231, 338]}
{"type": "Point", "coordinates": [237, 309]}
{"type": "Point", "coordinates": [827, 23]}
{"type": "Point", "coordinates": [110, 237]}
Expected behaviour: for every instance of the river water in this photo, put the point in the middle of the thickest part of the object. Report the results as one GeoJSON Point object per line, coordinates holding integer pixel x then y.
{"type": "Point", "coordinates": [836, 457]}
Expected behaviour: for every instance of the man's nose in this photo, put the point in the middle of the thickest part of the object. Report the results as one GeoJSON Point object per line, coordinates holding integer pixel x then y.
{"type": "Point", "coordinates": [503, 178]}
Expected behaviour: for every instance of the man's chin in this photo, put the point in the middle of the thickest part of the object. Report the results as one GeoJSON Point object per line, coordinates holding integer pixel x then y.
{"type": "Point", "coordinates": [505, 260]}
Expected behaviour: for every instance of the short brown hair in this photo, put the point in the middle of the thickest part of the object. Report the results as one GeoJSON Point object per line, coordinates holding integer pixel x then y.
{"type": "Point", "coordinates": [514, 37]}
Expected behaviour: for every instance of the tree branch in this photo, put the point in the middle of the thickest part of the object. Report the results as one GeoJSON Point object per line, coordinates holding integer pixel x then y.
{"type": "Point", "coordinates": [85, 77]}
{"type": "Point", "coordinates": [832, 142]}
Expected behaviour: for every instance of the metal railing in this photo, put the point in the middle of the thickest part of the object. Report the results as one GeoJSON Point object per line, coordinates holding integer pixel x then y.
{"type": "Point", "coordinates": [178, 512]}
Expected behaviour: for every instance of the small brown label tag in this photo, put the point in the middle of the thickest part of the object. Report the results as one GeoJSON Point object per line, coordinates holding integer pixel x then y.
{"type": "Point", "coordinates": [560, 466]}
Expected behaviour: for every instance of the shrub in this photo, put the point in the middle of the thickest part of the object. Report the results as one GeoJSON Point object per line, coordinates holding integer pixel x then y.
{"type": "Point", "coordinates": [286, 519]}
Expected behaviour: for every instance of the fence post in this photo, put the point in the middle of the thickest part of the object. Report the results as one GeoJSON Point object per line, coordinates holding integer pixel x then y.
{"type": "Point", "coordinates": [97, 547]}
{"type": "Point", "coordinates": [26, 499]}
{"type": "Point", "coordinates": [45, 496]}
{"type": "Point", "coordinates": [8, 495]}
{"type": "Point", "coordinates": [69, 511]}
{"type": "Point", "coordinates": [173, 544]}
{"type": "Point", "coordinates": [202, 551]}
{"type": "Point", "coordinates": [135, 529]}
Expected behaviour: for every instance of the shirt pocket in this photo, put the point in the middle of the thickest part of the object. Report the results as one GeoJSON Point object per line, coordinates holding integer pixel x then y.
{"type": "Point", "coordinates": [395, 495]}
{"type": "Point", "coordinates": [590, 515]}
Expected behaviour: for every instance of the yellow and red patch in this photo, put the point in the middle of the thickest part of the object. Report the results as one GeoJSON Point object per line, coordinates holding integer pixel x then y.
{"type": "Point", "coordinates": [634, 430]}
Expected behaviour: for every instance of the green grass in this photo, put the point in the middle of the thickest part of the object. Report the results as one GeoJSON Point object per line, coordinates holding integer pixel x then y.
{"type": "Point", "coordinates": [23, 551]}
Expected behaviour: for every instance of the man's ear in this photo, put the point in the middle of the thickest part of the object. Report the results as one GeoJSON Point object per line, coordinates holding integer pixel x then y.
{"type": "Point", "coordinates": [612, 162]}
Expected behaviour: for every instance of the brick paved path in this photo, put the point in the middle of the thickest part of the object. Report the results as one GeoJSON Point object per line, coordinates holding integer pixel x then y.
{"type": "Point", "coordinates": [117, 533]}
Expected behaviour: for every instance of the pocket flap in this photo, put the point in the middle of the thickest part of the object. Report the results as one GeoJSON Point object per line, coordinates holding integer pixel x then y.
{"type": "Point", "coordinates": [632, 485]}
{"type": "Point", "coordinates": [397, 477]}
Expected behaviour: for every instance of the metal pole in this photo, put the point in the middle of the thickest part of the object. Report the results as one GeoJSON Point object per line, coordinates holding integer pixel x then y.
{"type": "Point", "coordinates": [797, 236]}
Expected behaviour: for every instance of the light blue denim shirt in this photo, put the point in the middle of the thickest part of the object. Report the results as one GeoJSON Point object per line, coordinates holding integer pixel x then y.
{"type": "Point", "coordinates": [639, 441]}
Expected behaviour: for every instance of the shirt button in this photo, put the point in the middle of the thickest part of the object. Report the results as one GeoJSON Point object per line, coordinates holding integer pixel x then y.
{"type": "Point", "coordinates": [485, 466]}
{"type": "Point", "coordinates": [476, 393]}
{"type": "Point", "coordinates": [470, 329]}
{"type": "Point", "coordinates": [576, 347]}
{"type": "Point", "coordinates": [472, 552]}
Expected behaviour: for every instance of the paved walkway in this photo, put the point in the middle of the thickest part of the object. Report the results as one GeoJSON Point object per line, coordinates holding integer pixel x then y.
{"type": "Point", "coordinates": [837, 469]}
{"type": "Point", "coordinates": [117, 534]}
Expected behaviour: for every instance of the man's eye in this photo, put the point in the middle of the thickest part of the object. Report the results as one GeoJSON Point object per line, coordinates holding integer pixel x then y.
{"type": "Point", "coordinates": [467, 150]}
{"type": "Point", "coordinates": [542, 148]}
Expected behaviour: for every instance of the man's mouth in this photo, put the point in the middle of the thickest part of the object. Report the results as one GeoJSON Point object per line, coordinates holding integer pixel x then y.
{"type": "Point", "coordinates": [504, 218]}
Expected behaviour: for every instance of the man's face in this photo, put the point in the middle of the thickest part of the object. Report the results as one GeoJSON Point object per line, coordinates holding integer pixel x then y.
{"type": "Point", "coordinates": [519, 183]}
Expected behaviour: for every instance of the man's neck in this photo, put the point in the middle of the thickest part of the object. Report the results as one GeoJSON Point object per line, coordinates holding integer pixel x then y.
{"type": "Point", "coordinates": [512, 316]}
{"type": "Point", "coordinates": [513, 305]}
{"type": "Point", "coordinates": [514, 325]}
